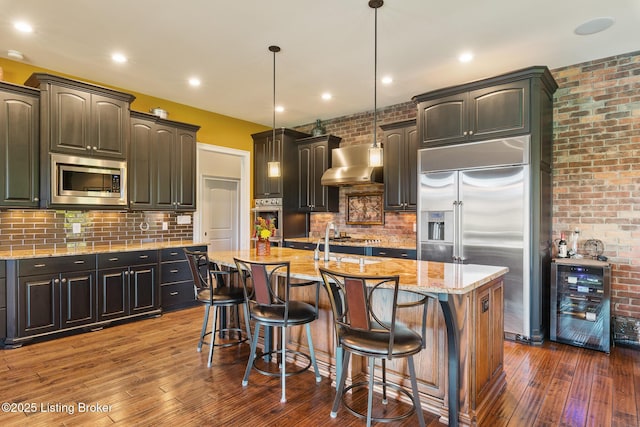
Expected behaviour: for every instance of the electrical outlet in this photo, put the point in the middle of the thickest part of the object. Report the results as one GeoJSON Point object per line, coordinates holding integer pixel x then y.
{"type": "Point", "coordinates": [75, 227]}
{"type": "Point", "coordinates": [414, 227]}
{"type": "Point", "coordinates": [165, 225]}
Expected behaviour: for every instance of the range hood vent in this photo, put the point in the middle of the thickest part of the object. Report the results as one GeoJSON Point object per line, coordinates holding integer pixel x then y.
{"type": "Point", "coordinates": [350, 167]}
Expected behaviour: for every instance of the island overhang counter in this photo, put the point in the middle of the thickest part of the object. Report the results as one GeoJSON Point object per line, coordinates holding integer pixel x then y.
{"type": "Point", "coordinates": [464, 346]}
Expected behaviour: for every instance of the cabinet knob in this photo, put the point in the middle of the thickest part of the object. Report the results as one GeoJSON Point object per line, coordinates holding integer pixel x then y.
{"type": "Point", "coordinates": [64, 280]}
{"type": "Point", "coordinates": [56, 281]}
{"type": "Point", "coordinates": [470, 132]}
{"type": "Point", "coordinates": [36, 199]}
{"type": "Point", "coordinates": [94, 148]}
{"type": "Point", "coordinates": [126, 273]}
{"type": "Point", "coordinates": [173, 294]}
{"type": "Point", "coordinates": [464, 133]}
{"type": "Point", "coordinates": [88, 147]}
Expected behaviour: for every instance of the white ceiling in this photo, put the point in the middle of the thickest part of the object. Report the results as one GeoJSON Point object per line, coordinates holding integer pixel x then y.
{"type": "Point", "coordinates": [327, 45]}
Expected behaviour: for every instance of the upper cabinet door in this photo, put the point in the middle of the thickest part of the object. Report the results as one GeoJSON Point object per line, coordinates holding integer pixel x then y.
{"type": "Point", "coordinates": [185, 173]}
{"type": "Point", "coordinates": [69, 115]}
{"type": "Point", "coordinates": [19, 141]}
{"type": "Point", "coordinates": [164, 171]}
{"type": "Point", "coordinates": [444, 120]}
{"type": "Point", "coordinates": [109, 121]}
{"type": "Point", "coordinates": [140, 164]}
{"type": "Point", "coordinates": [501, 110]}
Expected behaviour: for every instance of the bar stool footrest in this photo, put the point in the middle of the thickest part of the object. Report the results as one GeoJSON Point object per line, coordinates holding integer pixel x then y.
{"type": "Point", "coordinates": [365, 384]}
{"type": "Point", "coordinates": [274, 354]}
{"type": "Point", "coordinates": [237, 341]}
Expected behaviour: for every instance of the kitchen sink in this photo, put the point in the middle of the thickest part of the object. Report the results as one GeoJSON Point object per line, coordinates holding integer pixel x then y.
{"type": "Point", "coordinates": [352, 260]}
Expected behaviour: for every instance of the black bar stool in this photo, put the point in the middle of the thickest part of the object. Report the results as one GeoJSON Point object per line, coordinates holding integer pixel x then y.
{"type": "Point", "coordinates": [373, 333]}
{"type": "Point", "coordinates": [271, 307]}
{"type": "Point", "coordinates": [212, 290]}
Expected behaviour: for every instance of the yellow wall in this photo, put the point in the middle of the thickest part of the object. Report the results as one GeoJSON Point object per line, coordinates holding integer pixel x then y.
{"type": "Point", "coordinates": [215, 129]}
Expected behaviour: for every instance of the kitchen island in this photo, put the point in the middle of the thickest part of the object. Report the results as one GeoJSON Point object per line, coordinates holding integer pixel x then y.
{"type": "Point", "coordinates": [461, 370]}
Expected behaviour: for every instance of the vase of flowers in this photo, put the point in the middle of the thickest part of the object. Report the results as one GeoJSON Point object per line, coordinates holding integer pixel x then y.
{"type": "Point", "coordinates": [262, 231]}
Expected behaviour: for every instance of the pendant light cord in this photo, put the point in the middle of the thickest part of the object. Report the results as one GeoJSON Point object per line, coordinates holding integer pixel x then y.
{"type": "Point", "coordinates": [375, 78]}
{"type": "Point", "coordinates": [273, 154]}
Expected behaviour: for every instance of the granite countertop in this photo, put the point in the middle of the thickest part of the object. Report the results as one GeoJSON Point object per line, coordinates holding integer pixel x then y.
{"type": "Point", "coordinates": [422, 276]}
{"type": "Point", "coordinates": [95, 249]}
{"type": "Point", "coordinates": [377, 242]}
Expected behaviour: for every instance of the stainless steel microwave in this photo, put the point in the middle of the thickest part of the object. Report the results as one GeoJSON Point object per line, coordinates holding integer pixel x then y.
{"type": "Point", "coordinates": [87, 181]}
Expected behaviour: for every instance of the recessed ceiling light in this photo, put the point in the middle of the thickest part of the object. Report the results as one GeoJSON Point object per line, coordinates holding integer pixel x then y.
{"type": "Point", "coordinates": [23, 27]}
{"type": "Point", "coordinates": [279, 109]}
{"type": "Point", "coordinates": [119, 58]}
{"type": "Point", "coordinates": [194, 81]}
{"type": "Point", "coordinates": [387, 80]}
{"type": "Point", "coordinates": [326, 96]}
{"type": "Point", "coordinates": [594, 26]}
{"type": "Point", "coordinates": [465, 57]}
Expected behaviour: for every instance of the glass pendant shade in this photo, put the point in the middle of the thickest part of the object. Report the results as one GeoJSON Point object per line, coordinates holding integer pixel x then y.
{"type": "Point", "coordinates": [273, 169]}
{"type": "Point", "coordinates": [375, 156]}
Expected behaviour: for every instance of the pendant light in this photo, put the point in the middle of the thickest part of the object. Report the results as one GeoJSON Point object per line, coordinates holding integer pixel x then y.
{"type": "Point", "coordinates": [375, 151]}
{"type": "Point", "coordinates": [273, 167]}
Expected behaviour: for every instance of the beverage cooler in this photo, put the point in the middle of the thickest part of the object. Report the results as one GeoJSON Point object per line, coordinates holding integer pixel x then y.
{"type": "Point", "coordinates": [580, 303]}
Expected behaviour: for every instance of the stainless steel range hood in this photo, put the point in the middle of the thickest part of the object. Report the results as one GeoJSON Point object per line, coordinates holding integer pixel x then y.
{"type": "Point", "coordinates": [350, 167]}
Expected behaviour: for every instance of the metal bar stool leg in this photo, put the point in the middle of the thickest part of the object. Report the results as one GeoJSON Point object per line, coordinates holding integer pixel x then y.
{"type": "Point", "coordinates": [252, 355]}
{"type": "Point", "coordinates": [372, 365]}
{"type": "Point", "coordinates": [213, 335]}
{"type": "Point", "coordinates": [312, 354]}
{"type": "Point", "coordinates": [283, 364]}
{"type": "Point", "coordinates": [416, 395]}
{"type": "Point", "coordinates": [340, 383]}
{"type": "Point", "coordinates": [205, 322]}
{"type": "Point", "coordinates": [384, 382]}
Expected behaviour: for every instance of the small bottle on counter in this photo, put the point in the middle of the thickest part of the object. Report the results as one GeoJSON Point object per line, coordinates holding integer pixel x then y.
{"type": "Point", "coordinates": [562, 247]}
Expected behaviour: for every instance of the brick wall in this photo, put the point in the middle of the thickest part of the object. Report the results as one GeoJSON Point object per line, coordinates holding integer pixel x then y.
{"type": "Point", "coordinates": [596, 167]}
{"type": "Point", "coordinates": [358, 129]}
{"type": "Point", "coordinates": [50, 229]}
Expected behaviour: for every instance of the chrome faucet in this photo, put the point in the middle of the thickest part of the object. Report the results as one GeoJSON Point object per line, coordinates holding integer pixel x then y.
{"type": "Point", "coordinates": [330, 226]}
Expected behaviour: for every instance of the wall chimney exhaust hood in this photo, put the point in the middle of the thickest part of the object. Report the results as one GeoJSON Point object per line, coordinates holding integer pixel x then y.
{"type": "Point", "coordinates": [350, 166]}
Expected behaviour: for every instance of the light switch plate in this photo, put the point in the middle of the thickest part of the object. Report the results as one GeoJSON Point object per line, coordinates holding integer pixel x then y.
{"type": "Point", "coordinates": [165, 225]}
{"type": "Point", "coordinates": [183, 219]}
{"type": "Point", "coordinates": [75, 227]}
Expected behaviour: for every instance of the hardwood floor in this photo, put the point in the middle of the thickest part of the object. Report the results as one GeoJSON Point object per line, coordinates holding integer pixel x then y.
{"type": "Point", "coordinates": [149, 373]}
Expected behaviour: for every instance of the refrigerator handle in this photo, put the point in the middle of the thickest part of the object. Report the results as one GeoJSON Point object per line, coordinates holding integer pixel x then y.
{"type": "Point", "coordinates": [461, 257]}
{"type": "Point", "coordinates": [456, 232]}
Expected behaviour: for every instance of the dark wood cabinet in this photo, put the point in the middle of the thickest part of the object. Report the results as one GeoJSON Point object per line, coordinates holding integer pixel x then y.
{"type": "Point", "coordinates": [162, 164]}
{"type": "Point", "coordinates": [400, 166]}
{"type": "Point", "coordinates": [488, 109]}
{"type": "Point", "coordinates": [128, 284]}
{"type": "Point", "coordinates": [3, 301]}
{"type": "Point", "coordinates": [55, 293]}
{"type": "Point", "coordinates": [176, 280]}
{"type": "Point", "coordinates": [394, 253]}
{"type": "Point", "coordinates": [314, 157]}
{"type": "Point", "coordinates": [19, 143]}
{"type": "Point", "coordinates": [81, 118]}
{"type": "Point", "coordinates": [283, 150]}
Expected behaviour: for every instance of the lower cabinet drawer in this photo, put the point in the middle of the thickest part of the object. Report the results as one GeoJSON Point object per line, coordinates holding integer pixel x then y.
{"type": "Point", "coordinates": [178, 271]}
{"type": "Point", "coordinates": [177, 294]}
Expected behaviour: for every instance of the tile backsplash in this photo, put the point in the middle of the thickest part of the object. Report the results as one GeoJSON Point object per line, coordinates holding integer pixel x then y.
{"type": "Point", "coordinates": [66, 229]}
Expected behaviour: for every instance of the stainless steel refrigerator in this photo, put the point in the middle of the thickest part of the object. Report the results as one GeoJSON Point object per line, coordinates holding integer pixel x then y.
{"type": "Point", "coordinates": [474, 209]}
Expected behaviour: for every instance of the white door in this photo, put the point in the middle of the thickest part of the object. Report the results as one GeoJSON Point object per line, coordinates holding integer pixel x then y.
{"type": "Point", "coordinates": [220, 216]}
